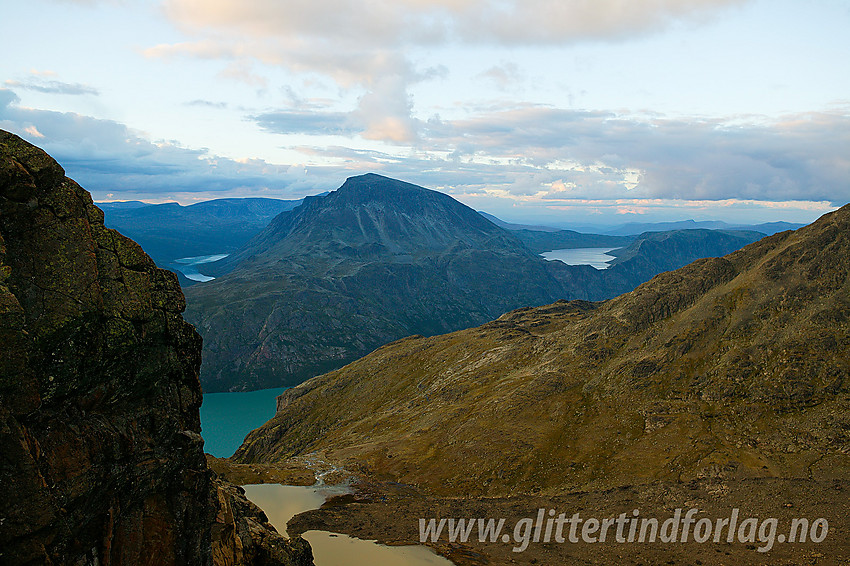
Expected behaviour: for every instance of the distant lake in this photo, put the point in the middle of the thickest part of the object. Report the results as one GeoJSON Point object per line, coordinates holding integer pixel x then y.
{"type": "Point", "coordinates": [596, 257]}
{"type": "Point", "coordinates": [188, 266]}
{"type": "Point", "coordinates": [226, 418]}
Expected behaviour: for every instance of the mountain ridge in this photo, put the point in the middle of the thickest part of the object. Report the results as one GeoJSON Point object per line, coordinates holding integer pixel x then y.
{"type": "Point", "coordinates": [636, 228]}
{"type": "Point", "coordinates": [371, 211]}
{"type": "Point", "coordinates": [735, 366]}
{"type": "Point", "coordinates": [171, 231]}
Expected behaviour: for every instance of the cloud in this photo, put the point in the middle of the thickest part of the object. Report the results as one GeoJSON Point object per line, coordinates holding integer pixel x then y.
{"type": "Point", "coordinates": [365, 45]}
{"type": "Point", "coordinates": [40, 84]}
{"type": "Point", "coordinates": [597, 153]}
{"type": "Point", "coordinates": [33, 131]}
{"type": "Point", "coordinates": [504, 76]}
{"type": "Point", "coordinates": [386, 110]}
{"type": "Point", "coordinates": [7, 98]}
{"type": "Point", "coordinates": [241, 71]}
{"type": "Point", "coordinates": [550, 156]}
{"type": "Point", "coordinates": [306, 122]}
{"type": "Point", "coordinates": [393, 23]}
{"type": "Point", "coordinates": [520, 192]}
{"type": "Point", "coordinates": [206, 103]}
{"type": "Point", "coordinates": [383, 111]}
{"type": "Point", "coordinates": [108, 157]}
{"type": "Point", "coordinates": [522, 156]}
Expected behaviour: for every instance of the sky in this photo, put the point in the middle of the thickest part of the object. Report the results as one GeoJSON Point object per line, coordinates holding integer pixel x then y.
{"type": "Point", "coordinates": [570, 112]}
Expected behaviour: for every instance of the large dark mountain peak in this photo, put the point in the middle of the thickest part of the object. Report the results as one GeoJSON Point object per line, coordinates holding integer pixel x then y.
{"type": "Point", "coordinates": [379, 192]}
{"type": "Point", "coordinates": [376, 260]}
{"type": "Point", "coordinates": [372, 186]}
{"type": "Point", "coordinates": [371, 216]}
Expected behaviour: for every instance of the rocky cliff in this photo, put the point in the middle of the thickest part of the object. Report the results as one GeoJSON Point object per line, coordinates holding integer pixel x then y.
{"type": "Point", "coordinates": [101, 457]}
{"type": "Point", "coordinates": [735, 366]}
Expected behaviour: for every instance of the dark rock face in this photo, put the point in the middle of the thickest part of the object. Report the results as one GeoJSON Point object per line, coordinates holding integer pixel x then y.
{"type": "Point", "coordinates": [241, 533]}
{"type": "Point", "coordinates": [102, 461]}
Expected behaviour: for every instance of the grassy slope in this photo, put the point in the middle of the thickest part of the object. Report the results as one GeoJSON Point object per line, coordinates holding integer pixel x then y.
{"type": "Point", "coordinates": [736, 365]}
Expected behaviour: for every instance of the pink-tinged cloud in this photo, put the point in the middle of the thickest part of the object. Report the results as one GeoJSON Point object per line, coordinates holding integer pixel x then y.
{"type": "Point", "coordinates": [364, 44]}
{"type": "Point", "coordinates": [393, 23]}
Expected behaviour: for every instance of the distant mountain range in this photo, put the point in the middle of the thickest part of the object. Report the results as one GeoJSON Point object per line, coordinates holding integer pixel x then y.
{"type": "Point", "coordinates": [171, 231]}
{"type": "Point", "coordinates": [632, 228]}
{"type": "Point", "coordinates": [543, 241]}
{"type": "Point", "coordinates": [122, 205]}
{"type": "Point", "coordinates": [221, 226]}
{"type": "Point", "coordinates": [730, 368]}
{"type": "Point", "coordinates": [377, 260]}
{"type": "Point", "coordinates": [511, 226]}
{"type": "Point", "coordinates": [636, 228]}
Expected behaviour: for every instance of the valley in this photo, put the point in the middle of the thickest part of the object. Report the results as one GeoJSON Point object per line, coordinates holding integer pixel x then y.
{"type": "Point", "coordinates": [425, 283]}
{"type": "Point", "coordinates": [721, 385]}
{"type": "Point", "coordinates": [731, 359]}
{"type": "Point", "coordinates": [170, 232]}
{"type": "Point", "coordinates": [716, 387]}
{"type": "Point", "coordinates": [597, 258]}
{"type": "Point", "coordinates": [491, 470]}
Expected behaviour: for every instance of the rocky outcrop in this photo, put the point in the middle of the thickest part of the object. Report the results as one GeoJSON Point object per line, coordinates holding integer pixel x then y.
{"type": "Point", "coordinates": [101, 460]}
{"type": "Point", "coordinates": [241, 533]}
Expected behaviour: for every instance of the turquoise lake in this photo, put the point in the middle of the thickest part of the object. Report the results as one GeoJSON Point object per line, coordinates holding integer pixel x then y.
{"type": "Point", "coordinates": [226, 418]}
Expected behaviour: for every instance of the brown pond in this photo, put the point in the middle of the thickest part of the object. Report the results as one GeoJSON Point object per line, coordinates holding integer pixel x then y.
{"type": "Point", "coordinates": [282, 502]}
